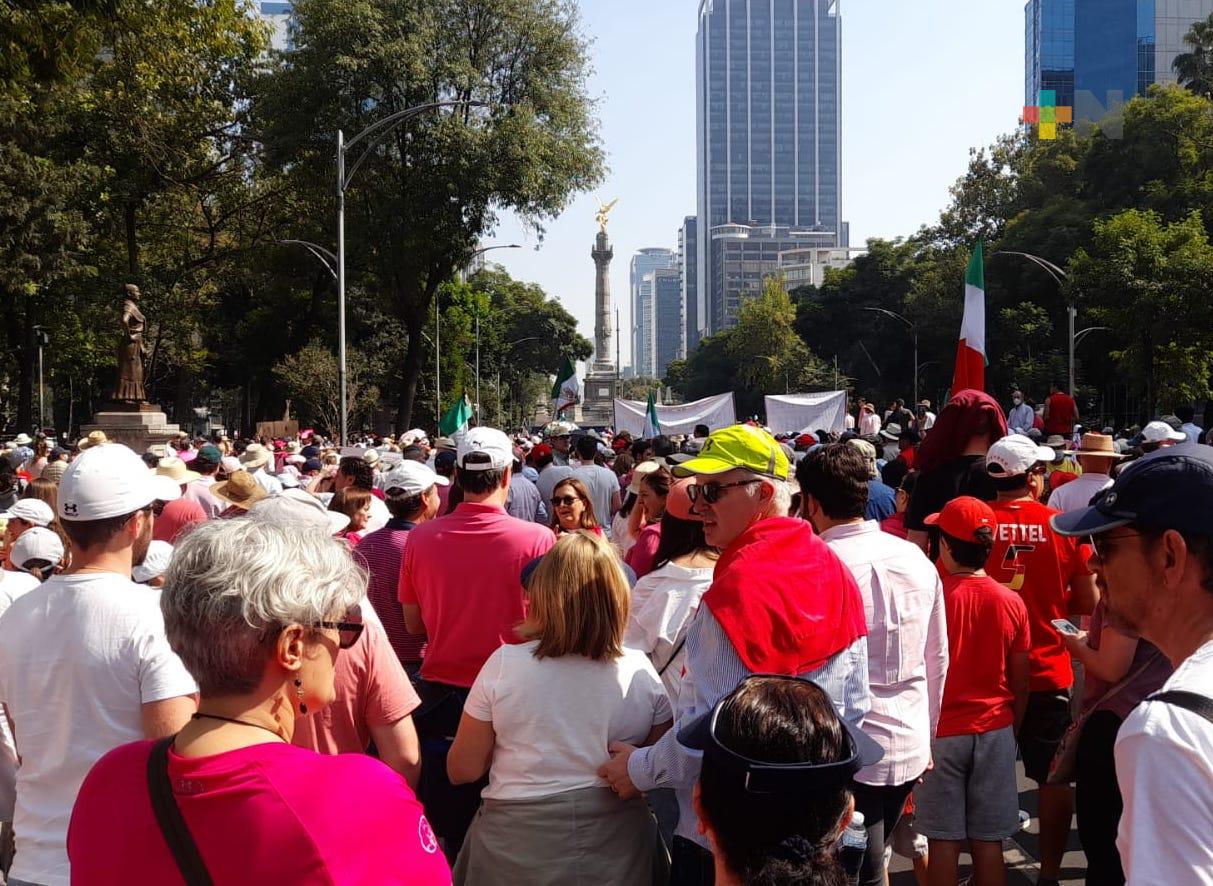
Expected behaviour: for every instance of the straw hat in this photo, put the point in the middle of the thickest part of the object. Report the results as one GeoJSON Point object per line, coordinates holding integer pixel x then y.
{"type": "Point", "coordinates": [255, 456]}
{"type": "Point", "coordinates": [1093, 444]}
{"type": "Point", "coordinates": [240, 489]}
{"type": "Point", "coordinates": [94, 438]}
{"type": "Point", "coordinates": [175, 470]}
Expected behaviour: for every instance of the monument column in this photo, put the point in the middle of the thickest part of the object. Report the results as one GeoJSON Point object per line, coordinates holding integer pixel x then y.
{"type": "Point", "coordinates": [602, 255]}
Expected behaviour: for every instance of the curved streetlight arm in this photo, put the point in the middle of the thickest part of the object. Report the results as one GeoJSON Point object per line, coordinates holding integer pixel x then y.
{"type": "Point", "coordinates": [324, 256]}
{"type": "Point", "coordinates": [1044, 264]}
{"type": "Point", "coordinates": [378, 130]}
{"type": "Point", "coordinates": [892, 314]}
{"type": "Point", "coordinates": [1078, 336]}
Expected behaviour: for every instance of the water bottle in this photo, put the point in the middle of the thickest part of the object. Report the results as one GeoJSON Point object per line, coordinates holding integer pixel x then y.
{"type": "Point", "coordinates": [853, 845]}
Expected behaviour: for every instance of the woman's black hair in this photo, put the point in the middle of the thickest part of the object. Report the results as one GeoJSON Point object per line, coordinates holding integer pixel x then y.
{"type": "Point", "coordinates": [629, 502]}
{"type": "Point", "coordinates": [777, 839]}
{"type": "Point", "coordinates": [678, 538]}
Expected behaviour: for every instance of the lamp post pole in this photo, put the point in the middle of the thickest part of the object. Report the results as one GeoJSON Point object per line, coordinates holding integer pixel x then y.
{"type": "Point", "coordinates": [913, 332]}
{"type": "Point", "coordinates": [1059, 277]}
{"type": "Point", "coordinates": [376, 132]}
{"type": "Point", "coordinates": [472, 258]}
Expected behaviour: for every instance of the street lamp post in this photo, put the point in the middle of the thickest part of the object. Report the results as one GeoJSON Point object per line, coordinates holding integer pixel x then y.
{"type": "Point", "coordinates": [376, 132]}
{"type": "Point", "coordinates": [1059, 277]}
{"type": "Point", "coordinates": [913, 331]}
{"type": "Point", "coordinates": [43, 339]}
{"type": "Point", "coordinates": [472, 258]}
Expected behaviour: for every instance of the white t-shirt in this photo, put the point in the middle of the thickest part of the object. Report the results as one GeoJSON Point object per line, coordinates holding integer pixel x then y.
{"type": "Point", "coordinates": [663, 604]}
{"type": "Point", "coordinates": [1164, 763]}
{"type": "Point", "coordinates": [78, 658]}
{"type": "Point", "coordinates": [554, 717]}
{"type": "Point", "coordinates": [13, 585]}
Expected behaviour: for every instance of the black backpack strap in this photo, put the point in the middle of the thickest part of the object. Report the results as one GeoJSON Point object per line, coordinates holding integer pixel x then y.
{"type": "Point", "coordinates": [168, 816]}
{"type": "Point", "coordinates": [1190, 701]}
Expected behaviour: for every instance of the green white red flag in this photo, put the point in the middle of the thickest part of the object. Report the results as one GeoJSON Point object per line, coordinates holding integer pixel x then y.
{"type": "Point", "coordinates": [971, 359]}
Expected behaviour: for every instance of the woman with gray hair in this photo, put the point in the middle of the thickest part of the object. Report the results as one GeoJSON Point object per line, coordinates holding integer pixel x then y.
{"type": "Point", "coordinates": [258, 612]}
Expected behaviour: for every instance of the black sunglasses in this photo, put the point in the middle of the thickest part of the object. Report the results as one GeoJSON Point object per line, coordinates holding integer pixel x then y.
{"type": "Point", "coordinates": [710, 492]}
{"type": "Point", "coordinates": [565, 500]}
{"type": "Point", "coordinates": [349, 630]}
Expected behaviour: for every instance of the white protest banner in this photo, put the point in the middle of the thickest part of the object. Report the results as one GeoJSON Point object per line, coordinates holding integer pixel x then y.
{"type": "Point", "coordinates": [807, 412]}
{"type": "Point", "coordinates": [715, 412]}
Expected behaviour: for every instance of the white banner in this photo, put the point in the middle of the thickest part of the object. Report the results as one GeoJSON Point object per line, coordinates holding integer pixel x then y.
{"type": "Point", "coordinates": [715, 412]}
{"type": "Point", "coordinates": [807, 412]}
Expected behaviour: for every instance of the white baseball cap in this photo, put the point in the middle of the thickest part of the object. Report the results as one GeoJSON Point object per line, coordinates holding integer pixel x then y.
{"type": "Point", "coordinates": [109, 481]}
{"type": "Point", "coordinates": [486, 441]}
{"type": "Point", "coordinates": [1014, 455]}
{"type": "Point", "coordinates": [1160, 431]}
{"type": "Point", "coordinates": [295, 506]}
{"type": "Point", "coordinates": [155, 562]}
{"type": "Point", "coordinates": [411, 478]}
{"type": "Point", "coordinates": [36, 544]}
{"type": "Point", "coordinates": [31, 510]}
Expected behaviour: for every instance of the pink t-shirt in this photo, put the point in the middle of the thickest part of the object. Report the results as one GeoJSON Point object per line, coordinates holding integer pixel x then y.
{"type": "Point", "coordinates": [177, 516]}
{"type": "Point", "coordinates": [642, 556]}
{"type": "Point", "coordinates": [464, 572]}
{"type": "Point", "coordinates": [372, 690]}
{"type": "Point", "coordinates": [270, 813]}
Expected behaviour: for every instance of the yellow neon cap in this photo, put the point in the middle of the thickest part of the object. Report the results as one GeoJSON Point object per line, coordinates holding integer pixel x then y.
{"type": "Point", "coordinates": [738, 446]}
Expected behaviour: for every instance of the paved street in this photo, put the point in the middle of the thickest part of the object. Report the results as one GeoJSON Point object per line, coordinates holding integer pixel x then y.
{"type": "Point", "coordinates": [1021, 853]}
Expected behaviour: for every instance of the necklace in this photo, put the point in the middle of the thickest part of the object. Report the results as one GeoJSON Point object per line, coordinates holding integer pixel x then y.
{"type": "Point", "coordinates": [236, 720]}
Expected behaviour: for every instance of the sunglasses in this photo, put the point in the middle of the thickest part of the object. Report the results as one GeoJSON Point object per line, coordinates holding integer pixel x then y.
{"type": "Point", "coordinates": [348, 630]}
{"type": "Point", "coordinates": [565, 501]}
{"type": "Point", "coordinates": [1100, 542]}
{"type": "Point", "coordinates": [710, 492]}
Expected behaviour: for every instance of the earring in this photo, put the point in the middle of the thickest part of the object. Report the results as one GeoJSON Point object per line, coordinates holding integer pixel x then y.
{"type": "Point", "coordinates": [299, 695]}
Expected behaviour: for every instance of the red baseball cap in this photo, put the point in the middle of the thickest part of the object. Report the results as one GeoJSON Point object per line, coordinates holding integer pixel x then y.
{"type": "Point", "coordinates": [541, 450]}
{"type": "Point", "coordinates": [678, 501]}
{"type": "Point", "coordinates": [962, 517]}
{"type": "Point", "coordinates": [806, 440]}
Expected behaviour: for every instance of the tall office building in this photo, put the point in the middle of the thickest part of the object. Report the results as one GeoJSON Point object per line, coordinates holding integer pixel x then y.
{"type": "Point", "coordinates": [668, 327]}
{"type": "Point", "coordinates": [644, 314]}
{"type": "Point", "coordinates": [688, 267]}
{"type": "Point", "coordinates": [278, 14]}
{"type": "Point", "coordinates": [1096, 54]}
{"type": "Point", "coordinates": [768, 109]}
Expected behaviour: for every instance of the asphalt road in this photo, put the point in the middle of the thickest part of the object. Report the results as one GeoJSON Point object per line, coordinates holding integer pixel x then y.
{"type": "Point", "coordinates": [1021, 852]}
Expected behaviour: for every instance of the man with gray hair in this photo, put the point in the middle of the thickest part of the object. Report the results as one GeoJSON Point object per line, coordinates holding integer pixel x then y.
{"type": "Point", "coordinates": [781, 602]}
{"type": "Point", "coordinates": [84, 662]}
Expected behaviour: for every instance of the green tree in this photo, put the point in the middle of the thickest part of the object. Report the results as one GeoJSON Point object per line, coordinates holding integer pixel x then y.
{"type": "Point", "coordinates": [430, 190]}
{"type": "Point", "coordinates": [1149, 281]}
{"type": "Point", "coordinates": [309, 377]}
{"type": "Point", "coordinates": [1194, 68]}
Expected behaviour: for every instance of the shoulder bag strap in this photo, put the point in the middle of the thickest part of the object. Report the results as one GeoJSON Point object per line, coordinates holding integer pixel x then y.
{"type": "Point", "coordinates": [1190, 701]}
{"type": "Point", "coordinates": [168, 816]}
{"type": "Point", "coordinates": [674, 654]}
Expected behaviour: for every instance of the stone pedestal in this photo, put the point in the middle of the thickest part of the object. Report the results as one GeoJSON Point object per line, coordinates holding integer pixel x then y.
{"type": "Point", "coordinates": [138, 429]}
{"type": "Point", "coordinates": [598, 406]}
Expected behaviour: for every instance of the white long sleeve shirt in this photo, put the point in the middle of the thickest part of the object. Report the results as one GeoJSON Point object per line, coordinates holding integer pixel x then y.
{"type": "Point", "coordinates": [907, 646]}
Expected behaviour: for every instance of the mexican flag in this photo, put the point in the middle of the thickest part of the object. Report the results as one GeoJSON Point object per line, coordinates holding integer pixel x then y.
{"type": "Point", "coordinates": [567, 390]}
{"type": "Point", "coordinates": [652, 427]}
{"type": "Point", "coordinates": [971, 351]}
{"type": "Point", "coordinates": [455, 422]}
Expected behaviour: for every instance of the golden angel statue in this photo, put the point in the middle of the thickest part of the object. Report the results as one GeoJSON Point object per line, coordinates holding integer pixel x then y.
{"type": "Point", "coordinates": [603, 212]}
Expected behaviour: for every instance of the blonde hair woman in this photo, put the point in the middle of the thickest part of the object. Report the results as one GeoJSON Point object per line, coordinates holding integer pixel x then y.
{"type": "Point", "coordinates": [539, 718]}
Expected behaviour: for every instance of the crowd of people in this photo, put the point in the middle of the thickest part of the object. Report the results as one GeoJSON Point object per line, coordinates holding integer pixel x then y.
{"type": "Point", "coordinates": [582, 657]}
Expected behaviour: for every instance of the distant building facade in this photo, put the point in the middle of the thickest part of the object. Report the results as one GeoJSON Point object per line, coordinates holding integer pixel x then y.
{"type": "Point", "coordinates": [644, 308]}
{"type": "Point", "coordinates": [694, 312]}
{"type": "Point", "coordinates": [768, 134]}
{"type": "Point", "coordinates": [668, 322]}
{"type": "Point", "coordinates": [1096, 54]}
{"type": "Point", "coordinates": [278, 14]}
{"type": "Point", "coordinates": [807, 266]}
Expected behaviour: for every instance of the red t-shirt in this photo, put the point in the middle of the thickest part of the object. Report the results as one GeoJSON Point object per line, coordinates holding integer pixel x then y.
{"type": "Point", "coordinates": [177, 516]}
{"type": "Point", "coordinates": [464, 571]}
{"type": "Point", "coordinates": [1062, 412]}
{"type": "Point", "coordinates": [1030, 559]}
{"type": "Point", "coordinates": [270, 813]}
{"type": "Point", "coordinates": [986, 624]}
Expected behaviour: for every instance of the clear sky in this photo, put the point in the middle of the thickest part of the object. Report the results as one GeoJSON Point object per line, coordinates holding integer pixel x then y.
{"type": "Point", "coordinates": [923, 82]}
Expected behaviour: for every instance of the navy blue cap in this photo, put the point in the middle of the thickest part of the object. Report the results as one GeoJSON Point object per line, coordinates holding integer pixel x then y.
{"type": "Point", "coordinates": [764, 777]}
{"type": "Point", "coordinates": [1171, 488]}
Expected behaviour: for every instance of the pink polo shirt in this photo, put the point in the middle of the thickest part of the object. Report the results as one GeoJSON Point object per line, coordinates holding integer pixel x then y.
{"type": "Point", "coordinates": [463, 571]}
{"type": "Point", "coordinates": [270, 813]}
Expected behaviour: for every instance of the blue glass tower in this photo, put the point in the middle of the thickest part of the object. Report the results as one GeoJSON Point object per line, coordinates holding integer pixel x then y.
{"type": "Point", "coordinates": [768, 75]}
{"type": "Point", "coordinates": [1097, 54]}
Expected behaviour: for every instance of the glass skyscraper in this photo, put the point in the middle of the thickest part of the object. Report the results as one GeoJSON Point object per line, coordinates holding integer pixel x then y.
{"type": "Point", "coordinates": [1096, 54]}
{"type": "Point", "coordinates": [644, 306]}
{"type": "Point", "coordinates": [768, 96]}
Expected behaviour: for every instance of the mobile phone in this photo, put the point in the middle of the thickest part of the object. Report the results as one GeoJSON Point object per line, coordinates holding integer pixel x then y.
{"type": "Point", "coordinates": [1065, 627]}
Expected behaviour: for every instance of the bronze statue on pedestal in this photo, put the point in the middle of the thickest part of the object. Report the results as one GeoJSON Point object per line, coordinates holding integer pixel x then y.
{"type": "Point", "coordinates": [129, 389]}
